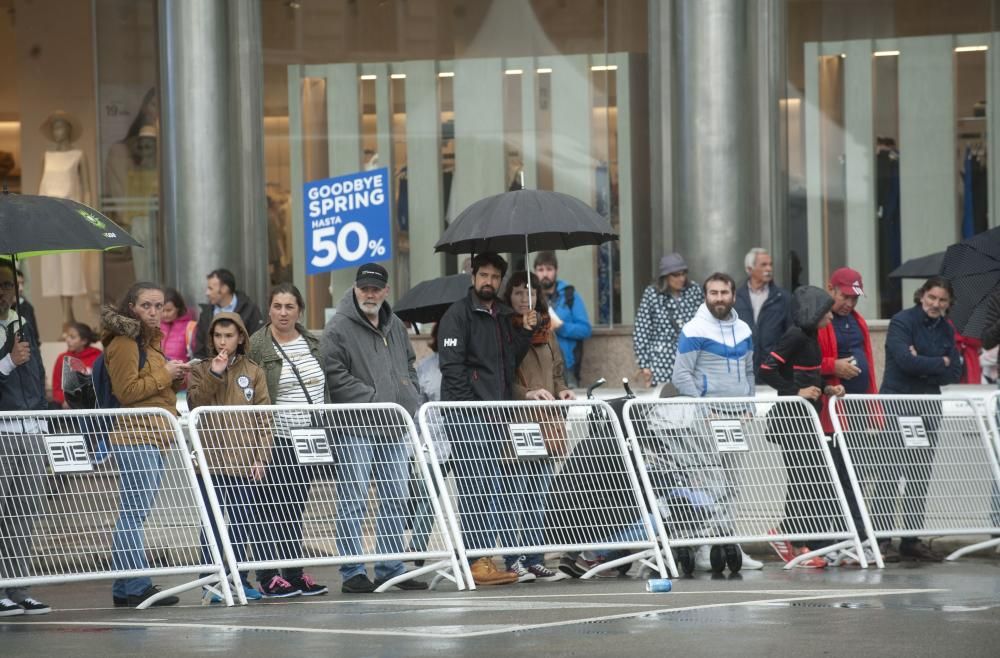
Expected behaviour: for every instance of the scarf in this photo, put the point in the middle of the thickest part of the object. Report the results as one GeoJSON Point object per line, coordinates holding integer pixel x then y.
{"type": "Point", "coordinates": [542, 331]}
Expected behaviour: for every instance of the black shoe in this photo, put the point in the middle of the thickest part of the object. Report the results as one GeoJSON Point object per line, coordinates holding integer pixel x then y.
{"type": "Point", "coordinates": [307, 585]}
{"type": "Point", "coordinates": [407, 585]}
{"type": "Point", "coordinates": [919, 551]}
{"type": "Point", "coordinates": [568, 565]}
{"type": "Point", "coordinates": [34, 607]}
{"type": "Point", "coordinates": [888, 551]}
{"type": "Point", "coordinates": [132, 600]}
{"type": "Point", "coordinates": [358, 585]}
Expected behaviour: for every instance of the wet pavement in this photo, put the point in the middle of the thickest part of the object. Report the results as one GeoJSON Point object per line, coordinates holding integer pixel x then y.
{"type": "Point", "coordinates": [950, 609]}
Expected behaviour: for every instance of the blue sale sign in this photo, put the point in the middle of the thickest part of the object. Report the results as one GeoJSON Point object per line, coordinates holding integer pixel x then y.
{"type": "Point", "coordinates": [347, 220]}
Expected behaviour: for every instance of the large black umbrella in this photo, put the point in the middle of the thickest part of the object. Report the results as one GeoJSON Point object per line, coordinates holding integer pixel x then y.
{"type": "Point", "coordinates": [919, 268]}
{"type": "Point", "coordinates": [525, 220]}
{"type": "Point", "coordinates": [37, 225]}
{"type": "Point", "coordinates": [428, 300]}
{"type": "Point", "coordinates": [973, 267]}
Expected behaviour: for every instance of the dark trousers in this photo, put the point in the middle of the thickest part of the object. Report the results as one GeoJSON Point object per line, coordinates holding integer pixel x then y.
{"type": "Point", "coordinates": [237, 497]}
{"type": "Point", "coordinates": [281, 503]}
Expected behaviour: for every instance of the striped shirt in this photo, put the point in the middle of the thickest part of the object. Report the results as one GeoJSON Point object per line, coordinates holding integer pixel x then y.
{"type": "Point", "coordinates": [289, 389]}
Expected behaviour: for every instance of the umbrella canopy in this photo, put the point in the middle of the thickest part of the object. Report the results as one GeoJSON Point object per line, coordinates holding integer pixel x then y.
{"type": "Point", "coordinates": [428, 300]}
{"type": "Point", "coordinates": [525, 220]}
{"type": "Point", "coordinates": [919, 268]}
{"type": "Point", "coordinates": [973, 267]}
{"type": "Point", "coordinates": [36, 225]}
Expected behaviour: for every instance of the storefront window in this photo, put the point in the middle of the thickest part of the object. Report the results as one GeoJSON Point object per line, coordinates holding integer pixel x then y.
{"type": "Point", "coordinates": [128, 128]}
{"type": "Point", "coordinates": [457, 100]}
{"type": "Point", "coordinates": [889, 119]}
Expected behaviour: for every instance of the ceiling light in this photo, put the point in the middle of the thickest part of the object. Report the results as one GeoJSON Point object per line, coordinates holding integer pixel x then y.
{"type": "Point", "coordinates": [971, 49]}
{"type": "Point", "coordinates": [886, 53]}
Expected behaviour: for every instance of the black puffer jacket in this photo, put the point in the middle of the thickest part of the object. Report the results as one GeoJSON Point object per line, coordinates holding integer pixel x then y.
{"type": "Point", "coordinates": [479, 351]}
{"type": "Point", "coordinates": [794, 363]}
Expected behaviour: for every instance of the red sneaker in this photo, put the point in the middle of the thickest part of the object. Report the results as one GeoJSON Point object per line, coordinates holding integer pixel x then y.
{"type": "Point", "coordinates": [818, 562]}
{"type": "Point", "coordinates": [782, 547]}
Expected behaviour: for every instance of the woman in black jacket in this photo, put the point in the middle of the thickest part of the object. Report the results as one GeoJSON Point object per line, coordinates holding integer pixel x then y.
{"type": "Point", "coordinates": [793, 368]}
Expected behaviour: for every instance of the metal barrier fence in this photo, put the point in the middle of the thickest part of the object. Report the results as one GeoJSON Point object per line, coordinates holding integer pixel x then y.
{"type": "Point", "coordinates": [921, 465]}
{"type": "Point", "coordinates": [65, 518]}
{"type": "Point", "coordinates": [725, 471]}
{"type": "Point", "coordinates": [295, 486]}
{"type": "Point", "coordinates": [529, 478]}
{"type": "Point", "coordinates": [990, 409]}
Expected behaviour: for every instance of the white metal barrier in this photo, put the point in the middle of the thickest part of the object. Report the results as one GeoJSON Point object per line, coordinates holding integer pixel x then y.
{"type": "Point", "coordinates": [295, 486]}
{"type": "Point", "coordinates": [64, 518]}
{"type": "Point", "coordinates": [725, 471]}
{"type": "Point", "coordinates": [529, 478]}
{"type": "Point", "coordinates": [990, 409]}
{"type": "Point", "coordinates": [921, 464]}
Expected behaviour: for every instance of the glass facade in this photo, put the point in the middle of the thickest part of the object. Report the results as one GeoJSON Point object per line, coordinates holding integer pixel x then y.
{"type": "Point", "coordinates": [889, 121]}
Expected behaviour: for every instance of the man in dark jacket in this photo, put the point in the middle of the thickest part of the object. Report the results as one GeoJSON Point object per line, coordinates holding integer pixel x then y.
{"type": "Point", "coordinates": [762, 304]}
{"type": "Point", "coordinates": [22, 465]}
{"type": "Point", "coordinates": [222, 295]}
{"type": "Point", "coordinates": [367, 357]}
{"type": "Point", "coordinates": [479, 350]}
{"type": "Point", "coordinates": [920, 357]}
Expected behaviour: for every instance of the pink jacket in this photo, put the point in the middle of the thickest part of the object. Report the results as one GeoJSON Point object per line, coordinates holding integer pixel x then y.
{"type": "Point", "coordinates": [175, 338]}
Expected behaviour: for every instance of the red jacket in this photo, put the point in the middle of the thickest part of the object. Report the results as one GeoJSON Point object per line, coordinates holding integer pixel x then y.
{"type": "Point", "coordinates": [828, 347]}
{"type": "Point", "coordinates": [88, 355]}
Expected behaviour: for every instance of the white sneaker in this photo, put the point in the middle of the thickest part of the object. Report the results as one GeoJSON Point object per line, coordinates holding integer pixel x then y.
{"type": "Point", "coordinates": [703, 558]}
{"type": "Point", "coordinates": [750, 564]}
{"type": "Point", "coordinates": [523, 575]}
{"type": "Point", "coordinates": [9, 609]}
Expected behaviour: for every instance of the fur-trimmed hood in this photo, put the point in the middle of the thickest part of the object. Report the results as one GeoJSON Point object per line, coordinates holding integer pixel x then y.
{"type": "Point", "coordinates": [114, 324]}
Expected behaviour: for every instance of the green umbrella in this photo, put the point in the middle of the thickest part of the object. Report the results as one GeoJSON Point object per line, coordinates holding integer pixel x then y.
{"type": "Point", "coordinates": [38, 225]}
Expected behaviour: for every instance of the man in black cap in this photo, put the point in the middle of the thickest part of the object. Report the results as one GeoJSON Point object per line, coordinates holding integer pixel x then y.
{"type": "Point", "coordinates": [367, 357]}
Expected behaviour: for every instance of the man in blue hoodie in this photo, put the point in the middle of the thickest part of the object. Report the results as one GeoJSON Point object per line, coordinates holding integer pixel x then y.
{"type": "Point", "coordinates": [572, 326]}
{"type": "Point", "coordinates": [715, 360]}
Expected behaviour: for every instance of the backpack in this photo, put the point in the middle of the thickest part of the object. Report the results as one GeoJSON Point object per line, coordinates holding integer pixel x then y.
{"type": "Point", "coordinates": [102, 380]}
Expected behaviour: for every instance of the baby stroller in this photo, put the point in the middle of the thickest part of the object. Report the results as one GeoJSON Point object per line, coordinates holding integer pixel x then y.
{"type": "Point", "coordinates": [690, 489]}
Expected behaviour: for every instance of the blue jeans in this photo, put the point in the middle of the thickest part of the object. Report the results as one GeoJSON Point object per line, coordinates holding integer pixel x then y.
{"type": "Point", "coordinates": [531, 480]}
{"type": "Point", "coordinates": [360, 461]}
{"type": "Point", "coordinates": [484, 493]}
{"type": "Point", "coordinates": [238, 498]}
{"type": "Point", "coordinates": [140, 468]}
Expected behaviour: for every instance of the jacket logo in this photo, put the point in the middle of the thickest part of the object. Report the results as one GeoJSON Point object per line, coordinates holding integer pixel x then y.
{"type": "Point", "coordinates": [450, 342]}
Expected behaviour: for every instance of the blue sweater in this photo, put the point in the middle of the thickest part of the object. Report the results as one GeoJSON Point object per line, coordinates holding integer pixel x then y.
{"type": "Point", "coordinates": [714, 357]}
{"type": "Point", "coordinates": [925, 372]}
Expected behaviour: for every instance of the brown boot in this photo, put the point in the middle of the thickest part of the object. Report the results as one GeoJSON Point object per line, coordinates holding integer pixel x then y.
{"type": "Point", "coordinates": [484, 572]}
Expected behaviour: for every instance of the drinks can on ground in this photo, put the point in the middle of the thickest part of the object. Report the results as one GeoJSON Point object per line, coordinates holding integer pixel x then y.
{"type": "Point", "coordinates": [658, 585]}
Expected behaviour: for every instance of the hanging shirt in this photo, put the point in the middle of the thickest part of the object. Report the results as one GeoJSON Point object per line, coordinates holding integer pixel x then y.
{"type": "Point", "coordinates": [850, 342]}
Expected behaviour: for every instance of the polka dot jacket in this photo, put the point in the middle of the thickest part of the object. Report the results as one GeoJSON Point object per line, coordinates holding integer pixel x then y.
{"type": "Point", "coordinates": [658, 324]}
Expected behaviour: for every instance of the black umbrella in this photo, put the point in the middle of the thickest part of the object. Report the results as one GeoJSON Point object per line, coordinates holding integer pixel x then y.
{"type": "Point", "coordinates": [37, 225]}
{"type": "Point", "coordinates": [973, 267]}
{"type": "Point", "coordinates": [919, 268]}
{"type": "Point", "coordinates": [529, 220]}
{"type": "Point", "coordinates": [428, 300]}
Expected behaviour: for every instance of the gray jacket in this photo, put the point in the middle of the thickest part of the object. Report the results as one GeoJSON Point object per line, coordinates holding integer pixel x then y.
{"type": "Point", "coordinates": [365, 364]}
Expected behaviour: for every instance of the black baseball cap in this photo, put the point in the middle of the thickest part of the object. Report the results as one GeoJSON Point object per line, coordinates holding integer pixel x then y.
{"type": "Point", "coordinates": [371, 274]}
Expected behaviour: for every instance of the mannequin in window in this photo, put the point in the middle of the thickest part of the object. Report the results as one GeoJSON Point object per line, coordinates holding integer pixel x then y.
{"type": "Point", "coordinates": [64, 175]}
{"type": "Point", "coordinates": [142, 186]}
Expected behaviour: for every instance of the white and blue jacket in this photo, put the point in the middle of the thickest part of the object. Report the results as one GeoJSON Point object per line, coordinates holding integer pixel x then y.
{"type": "Point", "coordinates": [714, 357]}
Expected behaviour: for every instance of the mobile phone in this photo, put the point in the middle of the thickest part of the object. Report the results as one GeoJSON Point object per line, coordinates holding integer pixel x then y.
{"type": "Point", "coordinates": [193, 362]}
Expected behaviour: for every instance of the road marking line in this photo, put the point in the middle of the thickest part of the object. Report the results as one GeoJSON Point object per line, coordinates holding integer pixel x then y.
{"type": "Point", "coordinates": [493, 631]}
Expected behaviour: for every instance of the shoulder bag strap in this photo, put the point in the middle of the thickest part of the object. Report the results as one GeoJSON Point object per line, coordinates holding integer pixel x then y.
{"type": "Point", "coordinates": [295, 370]}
